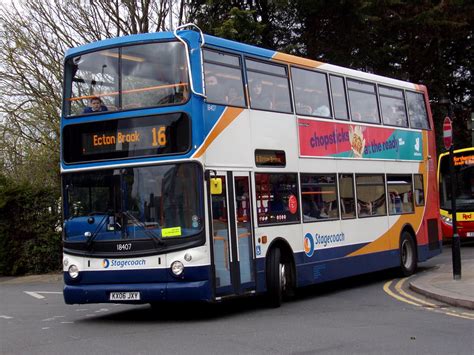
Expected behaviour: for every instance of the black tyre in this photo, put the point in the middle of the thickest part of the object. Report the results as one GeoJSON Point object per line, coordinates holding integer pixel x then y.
{"type": "Point", "coordinates": [408, 258]}
{"type": "Point", "coordinates": [276, 280]}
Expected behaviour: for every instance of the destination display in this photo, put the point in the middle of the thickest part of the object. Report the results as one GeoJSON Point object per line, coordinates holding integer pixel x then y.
{"type": "Point", "coordinates": [270, 158]}
{"type": "Point", "coordinates": [124, 138]}
{"type": "Point", "coordinates": [463, 160]}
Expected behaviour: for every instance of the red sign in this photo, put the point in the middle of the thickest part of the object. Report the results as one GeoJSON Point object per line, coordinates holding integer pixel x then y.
{"type": "Point", "coordinates": [447, 133]}
{"type": "Point", "coordinates": [292, 204]}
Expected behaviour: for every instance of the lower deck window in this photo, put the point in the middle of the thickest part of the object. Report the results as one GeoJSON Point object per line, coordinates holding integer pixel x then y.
{"type": "Point", "coordinates": [346, 188]}
{"type": "Point", "coordinates": [370, 195]}
{"type": "Point", "coordinates": [419, 191]}
{"type": "Point", "coordinates": [319, 195]}
{"type": "Point", "coordinates": [400, 194]}
{"type": "Point", "coordinates": [277, 198]}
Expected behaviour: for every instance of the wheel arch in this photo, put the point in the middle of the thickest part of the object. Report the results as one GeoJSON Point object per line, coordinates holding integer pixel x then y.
{"type": "Point", "coordinates": [285, 248]}
{"type": "Point", "coordinates": [287, 255]}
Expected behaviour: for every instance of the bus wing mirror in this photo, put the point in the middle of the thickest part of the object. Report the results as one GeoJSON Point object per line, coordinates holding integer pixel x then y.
{"type": "Point", "coordinates": [216, 186]}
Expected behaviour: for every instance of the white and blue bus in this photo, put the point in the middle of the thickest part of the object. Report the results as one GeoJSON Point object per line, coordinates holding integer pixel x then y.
{"type": "Point", "coordinates": [196, 168]}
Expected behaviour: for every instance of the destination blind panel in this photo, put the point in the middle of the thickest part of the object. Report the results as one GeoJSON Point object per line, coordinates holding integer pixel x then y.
{"type": "Point", "coordinates": [125, 138]}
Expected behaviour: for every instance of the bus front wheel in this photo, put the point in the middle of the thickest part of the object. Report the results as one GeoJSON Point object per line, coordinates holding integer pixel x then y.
{"type": "Point", "coordinates": [276, 278]}
{"type": "Point", "coordinates": [408, 259]}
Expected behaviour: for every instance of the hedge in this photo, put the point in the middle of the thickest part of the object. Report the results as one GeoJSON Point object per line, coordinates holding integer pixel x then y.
{"type": "Point", "coordinates": [30, 234]}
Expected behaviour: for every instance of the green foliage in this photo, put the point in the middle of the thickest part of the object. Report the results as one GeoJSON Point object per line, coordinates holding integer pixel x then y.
{"type": "Point", "coordinates": [425, 42]}
{"type": "Point", "coordinates": [30, 241]}
{"type": "Point", "coordinates": [422, 41]}
{"type": "Point", "coordinates": [240, 25]}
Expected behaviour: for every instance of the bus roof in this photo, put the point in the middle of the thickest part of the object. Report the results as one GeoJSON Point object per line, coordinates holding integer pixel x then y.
{"type": "Point", "coordinates": [246, 49]}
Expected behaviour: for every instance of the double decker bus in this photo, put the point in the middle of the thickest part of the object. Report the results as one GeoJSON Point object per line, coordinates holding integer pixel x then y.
{"type": "Point", "coordinates": [211, 169]}
{"type": "Point", "coordinates": [463, 165]}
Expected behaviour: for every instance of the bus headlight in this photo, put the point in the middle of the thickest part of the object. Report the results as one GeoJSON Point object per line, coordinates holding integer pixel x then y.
{"type": "Point", "coordinates": [447, 220]}
{"type": "Point", "coordinates": [177, 268]}
{"type": "Point", "coordinates": [73, 271]}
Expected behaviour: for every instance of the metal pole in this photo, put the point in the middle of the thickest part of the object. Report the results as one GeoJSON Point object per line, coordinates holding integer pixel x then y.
{"type": "Point", "coordinates": [170, 14]}
{"type": "Point", "coordinates": [456, 242]}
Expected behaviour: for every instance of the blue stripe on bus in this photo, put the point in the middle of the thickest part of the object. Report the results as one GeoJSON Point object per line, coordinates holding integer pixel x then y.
{"type": "Point", "coordinates": [154, 285]}
{"type": "Point", "coordinates": [425, 253]}
{"type": "Point", "coordinates": [211, 114]}
{"type": "Point", "coordinates": [190, 274]}
{"type": "Point", "coordinates": [331, 264]}
{"type": "Point", "coordinates": [149, 292]}
{"type": "Point", "coordinates": [321, 271]}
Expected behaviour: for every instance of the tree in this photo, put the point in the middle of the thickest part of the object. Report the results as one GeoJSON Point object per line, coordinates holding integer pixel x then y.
{"type": "Point", "coordinates": [34, 36]}
{"type": "Point", "coordinates": [266, 23]}
{"type": "Point", "coordinates": [425, 42]}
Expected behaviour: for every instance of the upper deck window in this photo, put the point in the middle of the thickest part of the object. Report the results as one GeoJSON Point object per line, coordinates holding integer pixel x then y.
{"type": "Point", "coordinates": [268, 86]}
{"type": "Point", "coordinates": [393, 107]}
{"type": "Point", "coordinates": [145, 75]}
{"type": "Point", "coordinates": [417, 110]}
{"type": "Point", "coordinates": [363, 101]}
{"type": "Point", "coordinates": [223, 77]}
{"type": "Point", "coordinates": [338, 92]}
{"type": "Point", "coordinates": [311, 93]}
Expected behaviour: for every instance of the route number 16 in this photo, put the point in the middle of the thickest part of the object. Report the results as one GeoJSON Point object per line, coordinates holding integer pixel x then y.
{"type": "Point", "coordinates": [159, 136]}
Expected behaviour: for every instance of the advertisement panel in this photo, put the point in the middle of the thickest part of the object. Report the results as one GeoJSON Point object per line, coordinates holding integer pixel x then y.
{"type": "Point", "coordinates": [336, 139]}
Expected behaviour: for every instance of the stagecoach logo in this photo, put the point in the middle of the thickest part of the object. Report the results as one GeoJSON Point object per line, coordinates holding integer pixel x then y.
{"type": "Point", "coordinates": [321, 241]}
{"type": "Point", "coordinates": [308, 245]}
{"type": "Point", "coordinates": [106, 263]}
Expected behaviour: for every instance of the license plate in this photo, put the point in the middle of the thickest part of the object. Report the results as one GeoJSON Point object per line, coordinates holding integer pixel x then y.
{"type": "Point", "coordinates": [124, 296]}
{"type": "Point", "coordinates": [470, 234]}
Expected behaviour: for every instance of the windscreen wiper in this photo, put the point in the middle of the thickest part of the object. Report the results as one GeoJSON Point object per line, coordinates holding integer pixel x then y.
{"type": "Point", "coordinates": [153, 235]}
{"type": "Point", "coordinates": [91, 237]}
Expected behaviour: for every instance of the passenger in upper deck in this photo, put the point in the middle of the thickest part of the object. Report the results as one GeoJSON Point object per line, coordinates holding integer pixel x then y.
{"type": "Point", "coordinates": [258, 98]}
{"type": "Point", "coordinates": [233, 97]}
{"type": "Point", "coordinates": [214, 90]}
{"type": "Point", "coordinates": [95, 106]}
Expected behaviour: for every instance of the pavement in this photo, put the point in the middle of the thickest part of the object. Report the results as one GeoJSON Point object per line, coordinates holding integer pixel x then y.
{"type": "Point", "coordinates": [438, 282]}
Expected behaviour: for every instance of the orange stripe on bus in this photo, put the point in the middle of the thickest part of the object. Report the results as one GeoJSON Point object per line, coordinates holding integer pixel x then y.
{"type": "Point", "coordinates": [229, 115]}
{"type": "Point", "coordinates": [288, 58]}
{"type": "Point", "coordinates": [384, 242]}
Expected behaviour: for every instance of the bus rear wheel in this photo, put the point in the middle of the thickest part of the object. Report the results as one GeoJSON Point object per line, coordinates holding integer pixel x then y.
{"type": "Point", "coordinates": [408, 259]}
{"type": "Point", "coordinates": [278, 282]}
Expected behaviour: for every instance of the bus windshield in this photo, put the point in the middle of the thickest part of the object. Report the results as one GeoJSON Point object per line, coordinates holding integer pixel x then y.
{"type": "Point", "coordinates": [464, 182]}
{"type": "Point", "coordinates": [133, 203]}
{"type": "Point", "coordinates": [136, 76]}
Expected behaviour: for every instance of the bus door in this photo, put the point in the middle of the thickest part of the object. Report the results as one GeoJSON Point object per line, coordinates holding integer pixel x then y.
{"type": "Point", "coordinates": [232, 233]}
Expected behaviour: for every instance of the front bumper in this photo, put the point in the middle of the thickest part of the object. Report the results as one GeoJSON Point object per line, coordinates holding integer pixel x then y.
{"type": "Point", "coordinates": [149, 292]}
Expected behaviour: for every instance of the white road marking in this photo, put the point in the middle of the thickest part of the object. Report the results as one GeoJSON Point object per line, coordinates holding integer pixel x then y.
{"type": "Point", "coordinates": [102, 310]}
{"type": "Point", "coordinates": [67, 322]}
{"type": "Point", "coordinates": [5, 317]}
{"type": "Point", "coordinates": [53, 318]}
{"type": "Point", "coordinates": [36, 294]}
